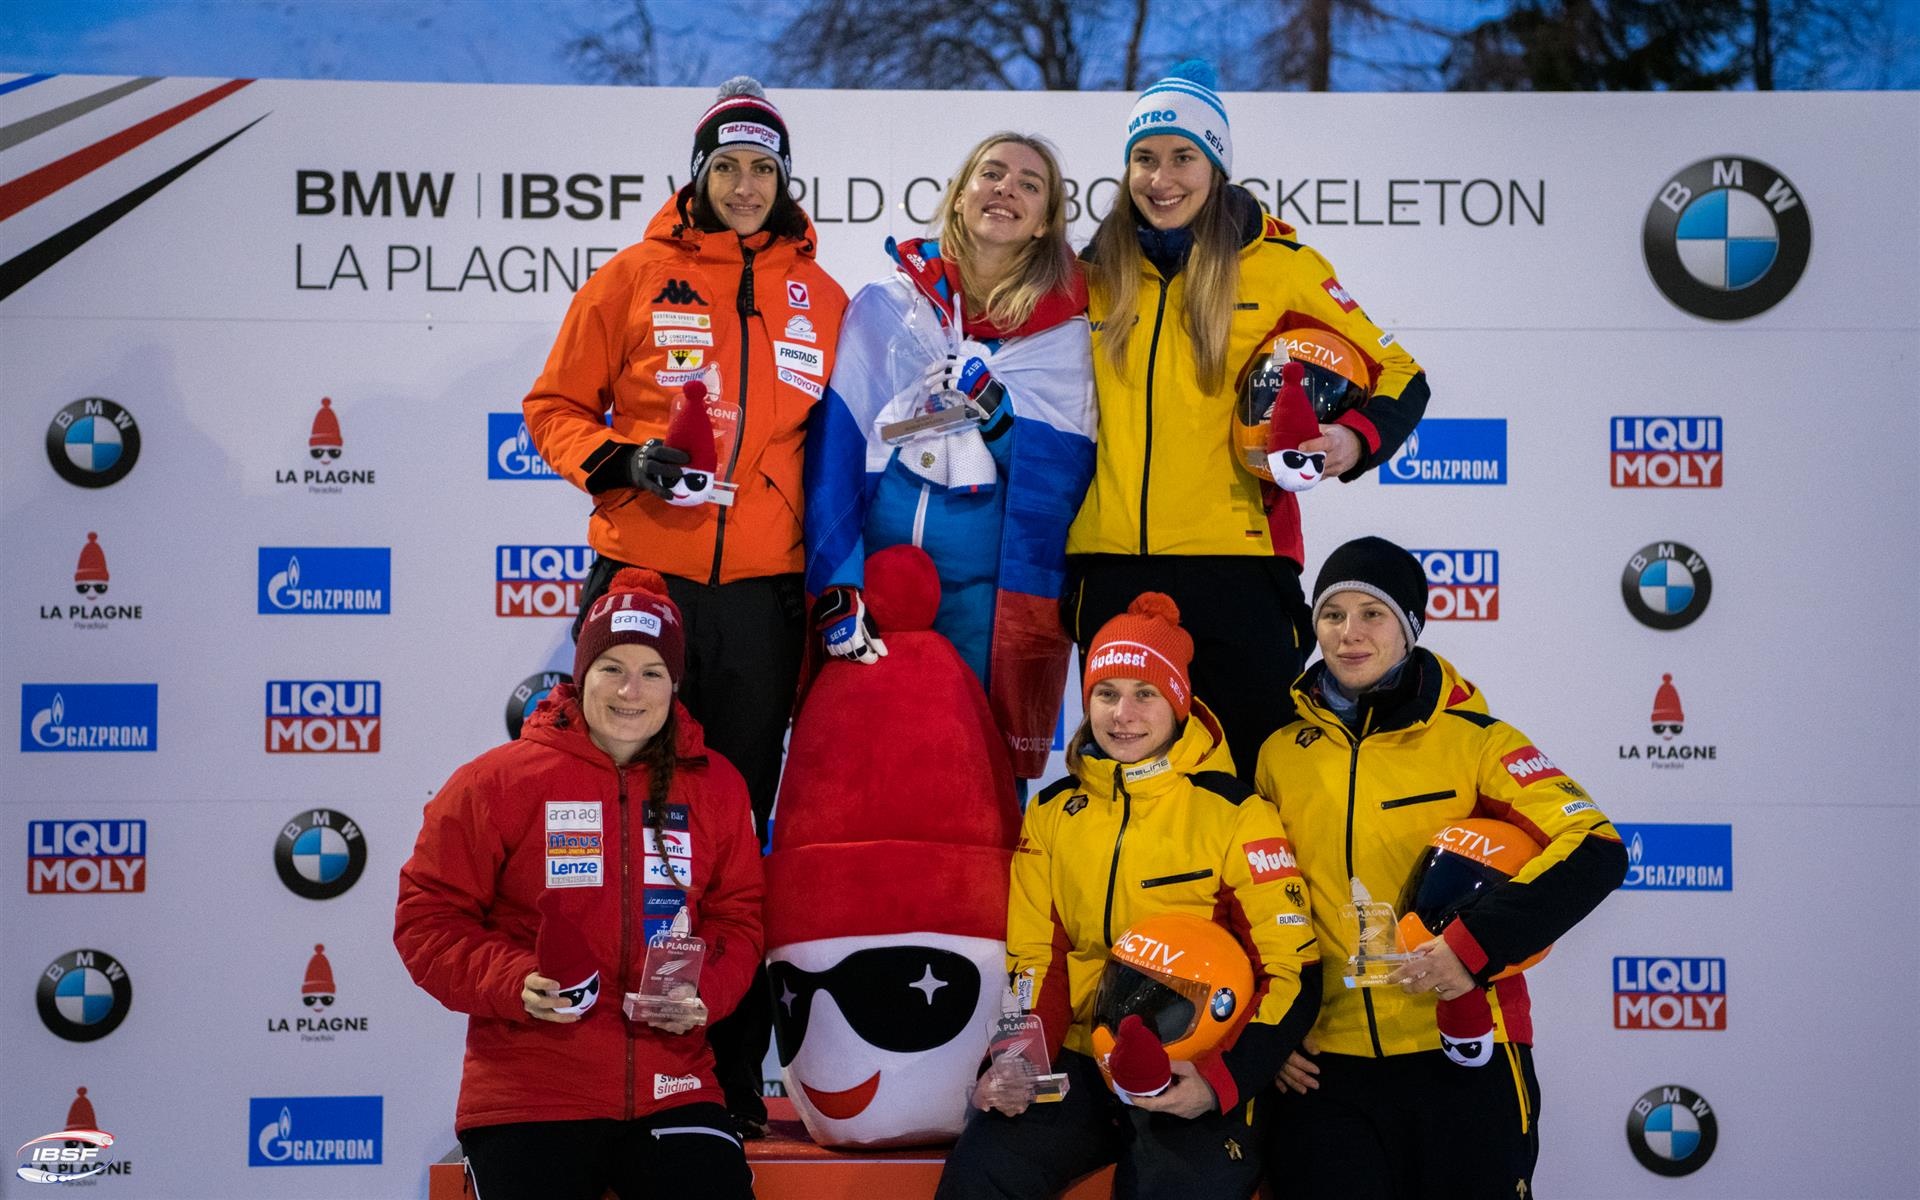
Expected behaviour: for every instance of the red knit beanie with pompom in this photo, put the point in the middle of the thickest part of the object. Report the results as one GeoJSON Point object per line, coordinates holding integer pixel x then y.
{"type": "Point", "coordinates": [635, 608]}
{"type": "Point", "coordinates": [1145, 642]}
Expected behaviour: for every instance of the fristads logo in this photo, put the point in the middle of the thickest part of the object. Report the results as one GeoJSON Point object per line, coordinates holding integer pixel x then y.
{"type": "Point", "coordinates": [323, 716]}
{"type": "Point", "coordinates": [84, 995]}
{"type": "Point", "coordinates": [70, 717]}
{"type": "Point", "coordinates": [527, 696]}
{"type": "Point", "coordinates": [93, 442]}
{"type": "Point", "coordinates": [316, 1021]}
{"type": "Point", "coordinates": [539, 581]}
{"type": "Point", "coordinates": [77, 1151]}
{"type": "Point", "coordinates": [1666, 585]}
{"type": "Point", "coordinates": [320, 854]}
{"type": "Point", "coordinates": [1666, 452]}
{"type": "Point", "coordinates": [86, 856]}
{"type": "Point", "coordinates": [1462, 585]}
{"type": "Point", "coordinates": [91, 579]}
{"type": "Point", "coordinates": [1456, 450]}
{"type": "Point", "coordinates": [1726, 238]}
{"type": "Point", "coordinates": [325, 446]}
{"type": "Point", "coordinates": [351, 580]}
{"type": "Point", "coordinates": [1683, 858]}
{"type": "Point", "coordinates": [1672, 1130]}
{"type": "Point", "coordinates": [1669, 993]}
{"type": "Point", "coordinates": [314, 1131]}
{"type": "Point", "coordinates": [1666, 750]}
{"type": "Point", "coordinates": [510, 452]}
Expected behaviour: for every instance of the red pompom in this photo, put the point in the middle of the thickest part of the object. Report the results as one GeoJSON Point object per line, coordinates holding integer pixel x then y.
{"type": "Point", "coordinates": [638, 579]}
{"type": "Point", "coordinates": [902, 589]}
{"type": "Point", "coordinates": [1158, 605]}
{"type": "Point", "coordinates": [1138, 1062]}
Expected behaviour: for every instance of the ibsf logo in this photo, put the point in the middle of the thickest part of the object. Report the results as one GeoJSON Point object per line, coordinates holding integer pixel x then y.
{"type": "Point", "coordinates": [1690, 858]}
{"type": "Point", "coordinates": [1442, 450]}
{"type": "Point", "coordinates": [323, 716]}
{"type": "Point", "coordinates": [75, 1152]}
{"type": "Point", "coordinates": [528, 694]}
{"type": "Point", "coordinates": [86, 856]}
{"type": "Point", "coordinates": [1462, 585]}
{"type": "Point", "coordinates": [1669, 993]}
{"type": "Point", "coordinates": [1663, 452]}
{"type": "Point", "coordinates": [84, 995]}
{"type": "Point", "coordinates": [1666, 585]}
{"type": "Point", "coordinates": [78, 717]}
{"type": "Point", "coordinates": [319, 854]}
{"type": "Point", "coordinates": [327, 580]}
{"type": "Point", "coordinates": [510, 452]}
{"type": "Point", "coordinates": [317, 994]}
{"type": "Point", "coordinates": [314, 1131]}
{"type": "Point", "coordinates": [93, 443]}
{"type": "Point", "coordinates": [539, 581]}
{"type": "Point", "coordinates": [1667, 721]}
{"type": "Point", "coordinates": [324, 447]}
{"type": "Point", "coordinates": [1726, 238]}
{"type": "Point", "coordinates": [1672, 1130]}
{"type": "Point", "coordinates": [91, 578]}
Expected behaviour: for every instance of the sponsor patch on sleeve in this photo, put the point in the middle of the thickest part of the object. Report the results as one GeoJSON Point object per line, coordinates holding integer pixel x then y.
{"type": "Point", "coordinates": [1340, 294]}
{"type": "Point", "coordinates": [1528, 765]}
{"type": "Point", "coordinates": [1579, 806]}
{"type": "Point", "coordinates": [1269, 859]}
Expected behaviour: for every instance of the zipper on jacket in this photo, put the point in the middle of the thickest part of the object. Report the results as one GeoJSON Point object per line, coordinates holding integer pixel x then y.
{"type": "Point", "coordinates": [744, 306]}
{"type": "Point", "coordinates": [1113, 871]}
{"type": "Point", "coordinates": [1146, 459]}
{"type": "Point", "coordinates": [920, 514]}
{"type": "Point", "coordinates": [1353, 789]}
{"type": "Point", "coordinates": [626, 929]}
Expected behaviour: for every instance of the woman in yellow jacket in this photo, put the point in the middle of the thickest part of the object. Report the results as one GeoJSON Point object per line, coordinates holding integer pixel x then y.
{"type": "Point", "coordinates": [1152, 820]}
{"type": "Point", "coordinates": [1391, 746]}
{"type": "Point", "coordinates": [1188, 279]}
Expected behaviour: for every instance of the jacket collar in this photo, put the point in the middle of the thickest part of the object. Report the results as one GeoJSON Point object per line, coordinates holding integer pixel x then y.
{"type": "Point", "coordinates": [1427, 686]}
{"type": "Point", "coordinates": [937, 278]}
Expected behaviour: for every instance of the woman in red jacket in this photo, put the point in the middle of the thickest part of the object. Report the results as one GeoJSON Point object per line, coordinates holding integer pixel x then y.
{"type": "Point", "coordinates": [604, 819]}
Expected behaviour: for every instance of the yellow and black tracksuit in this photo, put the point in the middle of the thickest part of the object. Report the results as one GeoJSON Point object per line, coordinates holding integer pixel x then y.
{"type": "Point", "coordinates": [1362, 796]}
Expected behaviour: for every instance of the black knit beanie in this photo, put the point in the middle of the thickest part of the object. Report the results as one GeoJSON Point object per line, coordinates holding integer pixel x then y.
{"type": "Point", "coordinates": [1382, 570]}
{"type": "Point", "coordinates": [742, 116]}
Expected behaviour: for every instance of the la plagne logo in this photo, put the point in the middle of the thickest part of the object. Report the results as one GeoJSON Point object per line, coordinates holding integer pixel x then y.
{"type": "Point", "coordinates": [324, 474]}
{"type": "Point", "coordinates": [1451, 450]}
{"type": "Point", "coordinates": [351, 580]}
{"type": "Point", "coordinates": [318, 993]}
{"type": "Point", "coordinates": [69, 717]}
{"type": "Point", "coordinates": [510, 452]}
{"type": "Point", "coordinates": [78, 1151]}
{"type": "Point", "coordinates": [1667, 721]}
{"type": "Point", "coordinates": [91, 581]}
{"type": "Point", "coordinates": [323, 716]}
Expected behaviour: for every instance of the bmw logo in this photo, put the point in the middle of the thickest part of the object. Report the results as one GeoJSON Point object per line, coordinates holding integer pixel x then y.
{"type": "Point", "coordinates": [93, 442]}
{"type": "Point", "coordinates": [320, 854]}
{"type": "Point", "coordinates": [1726, 238]}
{"type": "Point", "coordinates": [528, 695]}
{"type": "Point", "coordinates": [84, 995]}
{"type": "Point", "coordinates": [1222, 1004]}
{"type": "Point", "coordinates": [1666, 585]}
{"type": "Point", "coordinates": [1672, 1131]}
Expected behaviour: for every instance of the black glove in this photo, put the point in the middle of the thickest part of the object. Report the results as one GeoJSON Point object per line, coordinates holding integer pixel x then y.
{"type": "Point", "coordinates": [656, 467]}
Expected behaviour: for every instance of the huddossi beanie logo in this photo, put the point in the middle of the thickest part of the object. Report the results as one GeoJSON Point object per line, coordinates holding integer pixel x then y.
{"type": "Point", "coordinates": [1145, 642]}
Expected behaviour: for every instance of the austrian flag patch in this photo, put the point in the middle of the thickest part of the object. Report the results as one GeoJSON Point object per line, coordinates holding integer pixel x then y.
{"type": "Point", "coordinates": [1528, 766]}
{"type": "Point", "coordinates": [1270, 859]}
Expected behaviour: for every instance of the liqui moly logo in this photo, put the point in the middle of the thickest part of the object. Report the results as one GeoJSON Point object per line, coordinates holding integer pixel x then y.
{"type": "Point", "coordinates": [1269, 859]}
{"type": "Point", "coordinates": [1678, 452]}
{"type": "Point", "coordinates": [539, 581]}
{"type": "Point", "coordinates": [1462, 585]}
{"type": "Point", "coordinates": [1670, 993]}
{"type": "Point", "coordinates": [86, 856]}
{"type": "Point", "coordinates": [323, 716]}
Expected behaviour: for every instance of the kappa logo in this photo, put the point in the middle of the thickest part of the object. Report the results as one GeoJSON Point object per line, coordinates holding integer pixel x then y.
{"type": "Point", "coordinates": [679, 291]}
{"type": "Point", "coordinates": [1307, 737]}
{"type": "Point", "coordinates": [1270, 859]}
{"type": "Point", "coordinates": [93, 442]}
{"type": "Point", "coordinates": [1340, 295]}
{"type": "Point", "coordinates": [1528, 766]}
{"type": "Point", "coordinates": [1726, 238]}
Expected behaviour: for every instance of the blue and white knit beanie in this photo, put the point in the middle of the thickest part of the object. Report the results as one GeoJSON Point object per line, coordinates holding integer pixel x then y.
{"type": "Point", "coordinates": [1185, 103]}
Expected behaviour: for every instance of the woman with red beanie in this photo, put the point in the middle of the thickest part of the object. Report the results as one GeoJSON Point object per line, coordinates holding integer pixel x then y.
{"type": "Point", "coordinates": [1151, 820]}
{"type": "Point", "coordinates": [541, 870]}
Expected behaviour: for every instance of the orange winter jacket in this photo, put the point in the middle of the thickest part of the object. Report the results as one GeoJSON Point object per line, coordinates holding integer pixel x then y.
{"type": "Point", "coordinates": [758, 310]}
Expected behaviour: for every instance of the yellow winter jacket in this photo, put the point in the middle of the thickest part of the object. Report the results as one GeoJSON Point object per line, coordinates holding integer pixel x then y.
{"type": "Point", "coordinates": [1180, 834]}
{"type": "Point", "coordinates": [1362, 805]}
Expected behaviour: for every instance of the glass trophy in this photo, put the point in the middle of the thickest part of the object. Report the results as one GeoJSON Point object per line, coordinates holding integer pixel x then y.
{"type": "Point", "coordinates": [1373, 930]}
{"type": "Point", "coordinates": [670, 980]}
{"type": "Point", "coordinates": [939, 413]}
{"type": "Point", "coordinates": [1020, 1043]}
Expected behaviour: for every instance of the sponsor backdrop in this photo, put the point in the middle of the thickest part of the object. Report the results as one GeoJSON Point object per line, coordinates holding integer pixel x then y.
{"type": "Point", "coordinates": [279, 556]}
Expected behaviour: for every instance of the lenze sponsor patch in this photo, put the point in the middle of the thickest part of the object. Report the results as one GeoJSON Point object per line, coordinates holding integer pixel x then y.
{"type": "Point", "coordinates": [576, 851]}
{"type": "Point", "coordinates": [809, 359]}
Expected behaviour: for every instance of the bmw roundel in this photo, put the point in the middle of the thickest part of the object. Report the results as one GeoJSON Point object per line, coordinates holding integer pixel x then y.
{"type": "Point", "coordinates": [527, 695]}
{"type": "Point", "coordinates": [1672, 1130]}
{"type": "Point", "coordinates": [84, 995]}
{"type": "Point", "coordinates": [93, 442]}
{"type": "Point", "coordinates": [1726, 238]}
{"type": "Point", "coordinates": [320, 854]}
{"type": "Point", "coordinates": [1666, 585]}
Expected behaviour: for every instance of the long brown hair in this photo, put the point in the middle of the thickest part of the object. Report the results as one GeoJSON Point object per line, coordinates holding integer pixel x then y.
{"type": "Point", "coordinates": [1213, 280]}
{"type": "Point", "coordinates": [1043, 263]}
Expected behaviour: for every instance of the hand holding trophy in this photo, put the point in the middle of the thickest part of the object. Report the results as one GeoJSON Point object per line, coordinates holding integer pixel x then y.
{"type": "Point", "coordinates": [669, 995]}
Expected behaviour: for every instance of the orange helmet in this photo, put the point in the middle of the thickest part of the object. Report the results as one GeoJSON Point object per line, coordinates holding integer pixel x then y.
{"type": "Point", "coordinates": [1337, 379]}
{"type": "Point", "coordinates": [1183, 975]}
{"type": "Point", "coordinates": [1461, 859]}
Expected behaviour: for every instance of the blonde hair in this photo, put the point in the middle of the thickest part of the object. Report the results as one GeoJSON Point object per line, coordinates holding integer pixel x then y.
{"type": "Point", "coordinates": [1213, 281]}
{"type": "Point", "coordinates": [1043, 264]}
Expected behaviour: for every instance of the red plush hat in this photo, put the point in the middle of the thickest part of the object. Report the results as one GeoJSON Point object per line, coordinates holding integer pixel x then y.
{"type": "Point", "coordinates": [92, 567]}
{"type": "Point", "coordinates": [896, 809]}
{"type": "Point", "coordinates": [635, 608]}
{"type": "Point", "coordinates": [1466, 1028]}
{"type": "Point", "coordinates": [1145, 642]}
{"type": "Point", "coordinates": [1292, 426]}
{"type": "Point", "coordinates": [326, 427]}
{"type": "Point", "coordinates": [1138, 1062]}
{"type": "Point", "coordinates": [317, 987]}
{"type": "Point", "coordinates": [564, 955]}
{"type": "Point", "coordinates": [691, 429]}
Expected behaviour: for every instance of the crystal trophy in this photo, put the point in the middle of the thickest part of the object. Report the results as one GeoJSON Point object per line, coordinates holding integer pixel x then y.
{"type": "Point", "coordinates": [939, 413]}
{"type": "Point", "coordinates": [670, 980]}
{"type": "Point", "coordinates": [1374, 933]}
{"type": "Point", "coordinates": [1018, 1053]}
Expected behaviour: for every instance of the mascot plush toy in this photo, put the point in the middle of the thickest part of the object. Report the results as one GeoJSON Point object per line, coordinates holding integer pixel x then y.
{"type": "Point", "coordinates": [886, 908]}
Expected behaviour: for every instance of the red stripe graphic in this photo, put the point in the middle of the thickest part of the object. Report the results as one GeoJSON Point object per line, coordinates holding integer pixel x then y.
{"type": "Point", "coordinates": [38, 185]}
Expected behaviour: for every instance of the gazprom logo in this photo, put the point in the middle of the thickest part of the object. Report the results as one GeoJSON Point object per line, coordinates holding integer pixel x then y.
{"type": "Point", "coordinates": [510, 452]}
{"type": "Point", "coordinates": [1690, 858]}
{"type": "Point", "coordinates": [353, 580]}
{"type": "Point", "coordinates": [1451, 450]}
{"type": "Point", "coordinates": [314, 1131]}
{"type": "Point", "coordinates": [68, 717]}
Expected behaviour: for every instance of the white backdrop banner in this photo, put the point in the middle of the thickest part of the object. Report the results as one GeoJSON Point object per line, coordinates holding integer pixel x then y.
{"type": "Point", "coordinates": [279, 557]}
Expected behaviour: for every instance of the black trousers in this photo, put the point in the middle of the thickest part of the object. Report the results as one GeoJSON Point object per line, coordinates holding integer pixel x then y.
{"type": "Point", "coordinates": [1410, 1127]}
{"type": "Point", "coordinates": [1246, 614]}
{"type": "Point", "coordinates": [744, 646]}
{"type": "Point", "coordinates": [685, 1151]}
{"type": "Point", "coordinates": [1035, 1155]}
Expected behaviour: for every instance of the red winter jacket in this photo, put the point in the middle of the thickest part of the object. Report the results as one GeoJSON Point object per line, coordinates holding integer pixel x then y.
{"type": "Point", "coordinates": [467, 918]}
